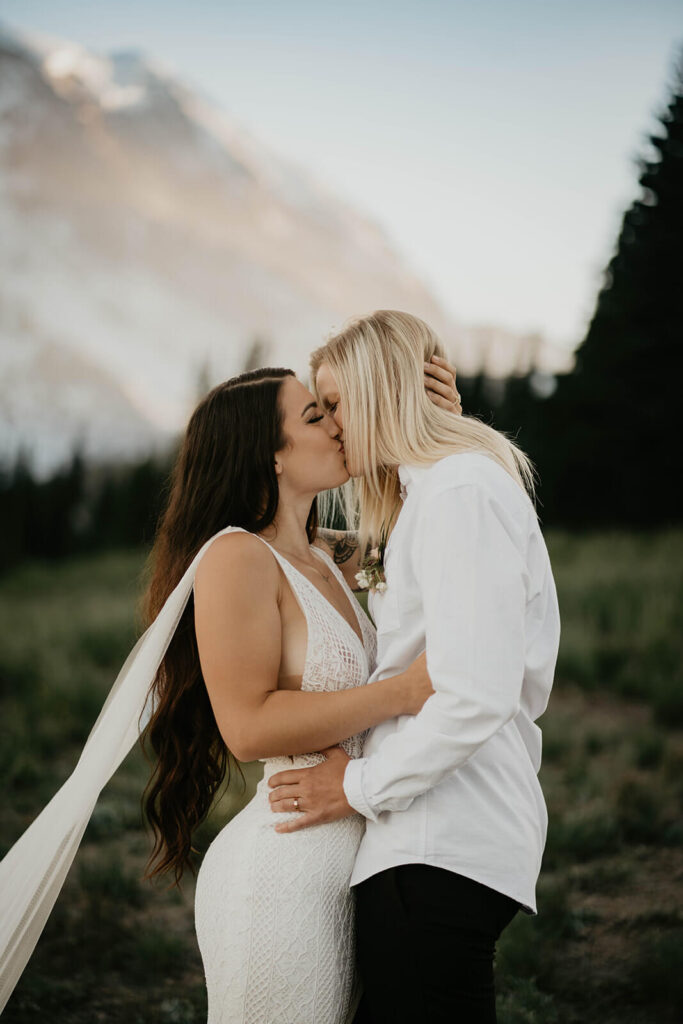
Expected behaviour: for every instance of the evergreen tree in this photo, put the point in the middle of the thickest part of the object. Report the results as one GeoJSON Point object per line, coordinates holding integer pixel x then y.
{"type": "Point", "coordinates": [17, 502]}
{"type": "Point", "coordinates": [611, 450]}
{"type": "Point", "coordinates": [605, 441]}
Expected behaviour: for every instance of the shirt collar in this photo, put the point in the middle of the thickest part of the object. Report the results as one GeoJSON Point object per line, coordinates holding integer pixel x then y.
{"type": "Point", "coordinates": [409, 475]}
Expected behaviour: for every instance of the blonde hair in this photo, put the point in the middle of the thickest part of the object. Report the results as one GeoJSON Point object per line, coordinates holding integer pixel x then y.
{"type": "Point", "coordinates": [377, 361]}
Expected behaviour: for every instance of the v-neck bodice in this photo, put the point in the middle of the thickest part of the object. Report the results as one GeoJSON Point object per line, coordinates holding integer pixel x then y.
{"type": "Point", "coordinates": [336, 659]}
{"type": "Point", "coordinates": [360, 634]}
{"type": "Point", "coordinates": [348, 595]}
{"type": "Point", "coordinates": [263, 897]}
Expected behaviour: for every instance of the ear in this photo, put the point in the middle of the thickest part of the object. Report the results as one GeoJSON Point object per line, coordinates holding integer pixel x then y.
{"type": "Point", "coordinates": [278, 466]}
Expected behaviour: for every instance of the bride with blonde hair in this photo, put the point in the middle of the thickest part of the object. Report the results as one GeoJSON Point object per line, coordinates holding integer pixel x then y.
{"type": "Point", "coordinates": [455, 817]}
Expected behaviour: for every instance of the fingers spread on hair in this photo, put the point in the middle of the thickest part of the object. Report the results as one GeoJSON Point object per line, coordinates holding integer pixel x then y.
{"type": "Point", "coordinates": [441, 361]}
{"type": "Point", "coordinates": [444, 403]}
{"type": "Point", "coordinates": [438, 372]}
{"type": "Point", "coordinates": [447, 390]}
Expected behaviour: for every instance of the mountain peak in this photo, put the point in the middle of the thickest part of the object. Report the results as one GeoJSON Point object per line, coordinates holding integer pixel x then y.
{"type": "Point", "coordinates": [121, 80]}
{"type": "Point", "coordinates": [131, 67]}
{"type": "Point", "coordinates": [146, 232]}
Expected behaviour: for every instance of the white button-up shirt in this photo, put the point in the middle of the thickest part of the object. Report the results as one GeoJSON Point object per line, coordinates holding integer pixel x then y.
{"type": "Point", "coordinates": [469, 580]}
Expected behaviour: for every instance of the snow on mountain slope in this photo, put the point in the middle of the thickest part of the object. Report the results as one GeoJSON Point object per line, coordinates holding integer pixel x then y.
{"type": "Point", "coordinates": [145, 236]}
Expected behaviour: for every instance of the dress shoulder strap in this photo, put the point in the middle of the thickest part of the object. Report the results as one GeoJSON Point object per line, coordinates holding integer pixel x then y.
{"type": "Point", "coordinates": [294, 578]}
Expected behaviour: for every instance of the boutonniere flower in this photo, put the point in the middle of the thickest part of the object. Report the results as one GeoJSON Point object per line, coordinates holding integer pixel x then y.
{"type": "Point", "coordinates": [371, 576]}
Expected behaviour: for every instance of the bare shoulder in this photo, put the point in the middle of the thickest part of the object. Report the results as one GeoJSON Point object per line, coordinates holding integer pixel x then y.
{"type": "Point", "coordinates": [240, 560]}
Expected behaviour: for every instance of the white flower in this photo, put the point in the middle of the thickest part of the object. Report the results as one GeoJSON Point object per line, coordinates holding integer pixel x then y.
{"type": "Point", "coordinates": [381, 587]}
{"type": "Point", "coordinates": [363, 580]}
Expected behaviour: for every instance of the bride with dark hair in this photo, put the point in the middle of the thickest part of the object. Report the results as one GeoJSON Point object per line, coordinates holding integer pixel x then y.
{"type": "Point", "coordinates": [255, 649]}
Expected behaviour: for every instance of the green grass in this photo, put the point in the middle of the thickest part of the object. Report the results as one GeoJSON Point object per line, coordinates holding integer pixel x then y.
{"type": "Point", "coordinates": [622, 617]}
{"type": "Point", "coordinates": [608, 940]}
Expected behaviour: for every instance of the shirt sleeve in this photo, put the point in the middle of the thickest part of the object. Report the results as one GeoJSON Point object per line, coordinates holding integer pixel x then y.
{"type": "Point", "coordinates": [472, 576]}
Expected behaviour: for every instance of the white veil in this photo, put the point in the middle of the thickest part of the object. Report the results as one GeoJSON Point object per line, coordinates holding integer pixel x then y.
{"type": "Point", "coordinates": [33, 871]}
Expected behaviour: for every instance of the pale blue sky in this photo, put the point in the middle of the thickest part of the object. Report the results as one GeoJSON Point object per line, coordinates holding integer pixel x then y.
{"type": "Point", "coordinates": [494, 140]}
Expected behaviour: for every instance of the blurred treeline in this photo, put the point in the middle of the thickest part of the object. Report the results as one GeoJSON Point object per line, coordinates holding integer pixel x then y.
{"type": "Point", "coordinates": [81, 508]}
{"type": "Point", "coordinates": [602, 437]}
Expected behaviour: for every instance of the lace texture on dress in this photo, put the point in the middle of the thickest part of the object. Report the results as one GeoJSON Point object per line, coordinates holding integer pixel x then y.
{"type": "Point", "coordinates": [274, 912]}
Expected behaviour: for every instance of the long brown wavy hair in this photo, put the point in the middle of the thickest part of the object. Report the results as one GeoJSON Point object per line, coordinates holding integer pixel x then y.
{"type": "Point", "coordinates": [224, 475]}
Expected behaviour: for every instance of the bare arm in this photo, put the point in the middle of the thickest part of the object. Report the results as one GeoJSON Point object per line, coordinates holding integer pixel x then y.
{"type": "Point", "coordinates": [297, 721]}
{"type": "Point", "coordinates": [238, 628]}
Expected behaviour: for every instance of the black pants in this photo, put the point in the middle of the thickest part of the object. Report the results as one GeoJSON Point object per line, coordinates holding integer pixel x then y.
{"type": "Point", "coordinates": [426, 939]}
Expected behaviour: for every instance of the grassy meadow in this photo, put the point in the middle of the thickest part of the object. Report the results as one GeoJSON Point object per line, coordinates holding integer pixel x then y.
{"type": "Point", "coordinates": [607, 945]}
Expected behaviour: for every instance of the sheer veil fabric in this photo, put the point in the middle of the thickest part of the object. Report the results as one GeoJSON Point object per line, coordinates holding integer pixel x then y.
{"type": "Point", "coordinates": [33, 871]}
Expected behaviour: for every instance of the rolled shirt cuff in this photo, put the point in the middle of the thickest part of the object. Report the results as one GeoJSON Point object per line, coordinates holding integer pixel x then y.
{"type": "Point", "coordinates": [353, 788]}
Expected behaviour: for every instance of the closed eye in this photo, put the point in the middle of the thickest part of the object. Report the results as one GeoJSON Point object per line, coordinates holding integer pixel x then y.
{"type": "Point", "coordinates": [315, 419]}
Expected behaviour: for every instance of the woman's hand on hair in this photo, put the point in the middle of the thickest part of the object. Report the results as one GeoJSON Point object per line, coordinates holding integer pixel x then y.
{"type": "Point", "coordinates": [440, 384]}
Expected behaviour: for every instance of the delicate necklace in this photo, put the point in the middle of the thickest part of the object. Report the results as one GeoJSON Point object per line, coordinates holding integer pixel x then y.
{"type": "Point", "coordinates": [319, 571]}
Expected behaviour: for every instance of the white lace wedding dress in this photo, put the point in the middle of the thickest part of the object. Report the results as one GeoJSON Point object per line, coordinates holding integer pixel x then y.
{"type": "Point", "coordinates": [274, 912]}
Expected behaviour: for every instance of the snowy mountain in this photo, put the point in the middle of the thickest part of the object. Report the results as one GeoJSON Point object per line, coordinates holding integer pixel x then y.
{"type": "Point", "coordinates": [147, 237]}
